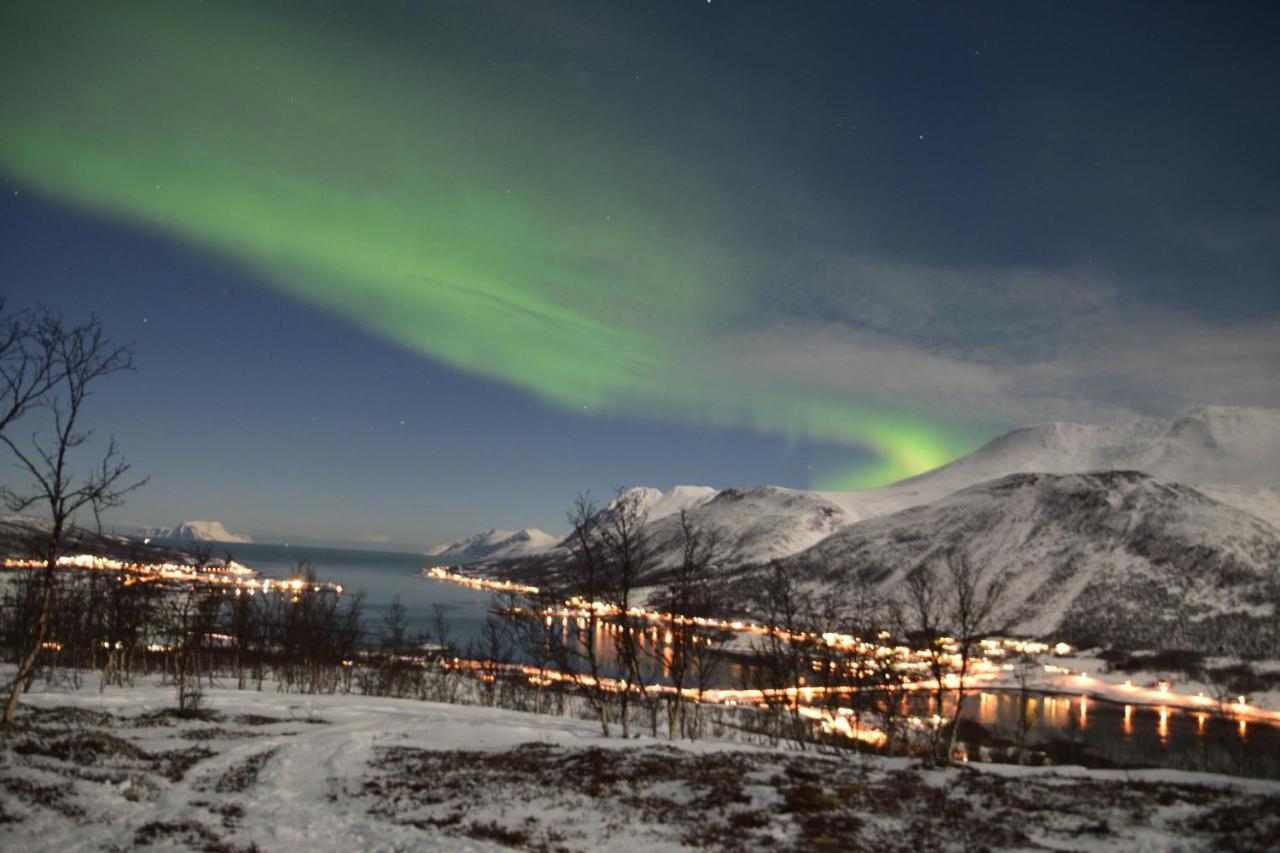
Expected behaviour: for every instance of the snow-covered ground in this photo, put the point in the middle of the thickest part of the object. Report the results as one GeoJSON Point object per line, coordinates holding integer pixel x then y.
{"type": "Point", "coordinates": [89, 771]}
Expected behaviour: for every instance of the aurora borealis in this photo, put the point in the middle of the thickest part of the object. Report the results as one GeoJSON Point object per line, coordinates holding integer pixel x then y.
{"type": "Point", "coordinates": [637, 215]}
{"type": "Point", "coordinates": [431, 208]}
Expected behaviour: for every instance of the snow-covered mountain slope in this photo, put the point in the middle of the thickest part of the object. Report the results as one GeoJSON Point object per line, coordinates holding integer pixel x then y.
{"type": "Point", "coordinates": [658, 504]}
{"type": "Point", "coordinates": [194, 531]}
{"type": "Point", "coordinates": [1238, 449]}
{"type": "Point", "coordinates": [751, 524]}
{"type": "Point", "coordinates": [1220, 445]}
{"type": "Point", "coordinates": [1259, 501]}
{"type": "Point", "coordinates": [25, 538]}
{"type": "Point", "coordinates": [497, 545]}
{"type": "Point", "coordinates": [1112, 556]}
{"type": "Point", "coordinates": [1233, 454]}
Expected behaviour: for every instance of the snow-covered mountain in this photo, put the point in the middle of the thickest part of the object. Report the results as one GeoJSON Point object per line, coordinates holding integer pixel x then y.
{"type": "Point", "coordinates": [1234, 453]}
{"type": "Point", "coordinates": [1114, 556]}
{"type": "Point", "coordinates": [194, 531]}
{"type": "Point", "coordinates": [658, 504]}
{"type": "Point", "coordinates": [23, 537]}
{"type": "Point", "coordinates": [1155, 532]}
{"type": "Point", "coordinates": [497, 545]}
{"type": "Point", "coordinates": [751, 524]}
{"type": "Point", "coordinates": [1209, 444]}
{"type": "Point", "coordinates": [1235, 449]}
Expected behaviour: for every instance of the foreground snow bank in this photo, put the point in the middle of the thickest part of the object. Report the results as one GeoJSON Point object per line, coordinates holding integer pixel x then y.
{"type": "Point", "coordinates": [280, 772]}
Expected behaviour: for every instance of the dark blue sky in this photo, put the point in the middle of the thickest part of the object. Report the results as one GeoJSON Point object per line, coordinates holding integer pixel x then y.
{"type": "Point", "coordinates": [953, 218]}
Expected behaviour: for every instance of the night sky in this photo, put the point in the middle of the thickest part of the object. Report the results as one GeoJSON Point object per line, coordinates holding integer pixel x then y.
{"type": "Point", "coordinates": [400, 271]}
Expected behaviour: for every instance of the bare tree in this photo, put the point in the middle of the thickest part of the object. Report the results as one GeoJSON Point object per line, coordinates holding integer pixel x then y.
{"type": "Point", "coordinates": [951, 611]}
{"type": "Point", "coordinates": [889, 688]}
{"type": "Point", "coordinates": [493, 651]}
{"type": "Point", "coordinates": [192, 614]}
{"type": "Point", "coordinates": [779, 666]}
{"type": "Point", "coordinates": [577, 649]}
{"type": "Point", "coordinates": [623, 548]}
{"type": "Point", "coordinates": [395, 648]}
{"type": "Point", "coordinates": [126, 610]}
{"type": "Point", "coordinates": [688, 653]}
{"type": "Point", "coordinates": [920, 618]}
{"type": "Point", "coordinates": [1024, 666]}
{"type": "Point", "coordinates": [79, 356]}
{"type": "Point", "coordinates": [29, 364]}
{"type": "Point", "coordinates": [531, 635]}
{"type": "Point", "coordinates": [975, 613]}
{"type": "Point", "coordinates": [1230, 687]}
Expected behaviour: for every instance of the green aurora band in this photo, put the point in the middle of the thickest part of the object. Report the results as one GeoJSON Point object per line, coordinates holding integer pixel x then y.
{"type": "Point", "coordinates": [519, 238]}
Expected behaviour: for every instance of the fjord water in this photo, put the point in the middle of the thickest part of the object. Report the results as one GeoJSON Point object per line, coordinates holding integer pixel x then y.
{"type": "Point", "coordinates": [381, 575]}
{"type": "Point", "coordinates": [1133, 735]}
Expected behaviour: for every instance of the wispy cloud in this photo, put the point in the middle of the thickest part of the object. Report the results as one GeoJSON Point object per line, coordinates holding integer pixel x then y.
{"type": "Point", "coordinates": [1014, 345]}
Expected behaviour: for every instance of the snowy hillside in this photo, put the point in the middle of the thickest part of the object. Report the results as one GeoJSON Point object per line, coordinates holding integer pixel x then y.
{"type": "Point", "coordinates": [1234, 452]}
{"type": "Point", "coordinates": [752, 524]}
{"type": "Point", "coordinates": [273, 771]}
{"type": "Point", "coordinates": [24, 538]}
{"type": "Point", "coordinates": [194, 531]}
{"type": "Point", "coordinates": [1114, 556]}
{"type": "Point", "coordinates": [658, 504]}
{"type": "Point", "coordinates": [497, 545]}
{"type": "Point", "coordinates": [1232, 455]}
{"type": "Point", "coordinates": [1212, 445]}
{"type": "Point", "coordinates": [1259, 501]}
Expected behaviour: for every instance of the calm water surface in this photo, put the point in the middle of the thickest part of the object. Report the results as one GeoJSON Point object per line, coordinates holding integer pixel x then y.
{"type": "Point", "coordinates": [381, 575]}
{"type": "Point", "coordinates": [1132, 734]}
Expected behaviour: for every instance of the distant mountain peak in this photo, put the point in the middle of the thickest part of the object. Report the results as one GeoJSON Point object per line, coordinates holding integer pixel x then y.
{"type": "Point", "coordinates": [195, 531]}
{"type": "Point", "coordinates": [659, 504]}
{"type": "Point", "coordinates": [496, 544]}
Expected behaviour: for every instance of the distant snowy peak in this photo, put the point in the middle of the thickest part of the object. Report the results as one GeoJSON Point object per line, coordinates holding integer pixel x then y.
{"type": "Point", "coordinates": [195, 531]}
{"type": "Point", "coordinates": [497, 545]}
{"type": "Point", "coordinates": [658, 504]}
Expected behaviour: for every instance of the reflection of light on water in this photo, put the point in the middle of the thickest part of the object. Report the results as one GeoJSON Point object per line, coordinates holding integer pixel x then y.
{"type": "Point", "coordinates": [1200, 718]}
{"type": "Point", "coordinates": [988, 712]}
{"type": "Point", "coordinates": [1084, 711]}
{"type": "Point", "coordinates": [1128, 720]}
{"type": "Point", "coordinates": [1162, 728]}
{"type": "Point", "coordinates": [1057, 712]}
{"type": "Point", "coordinates": [1243, 727]}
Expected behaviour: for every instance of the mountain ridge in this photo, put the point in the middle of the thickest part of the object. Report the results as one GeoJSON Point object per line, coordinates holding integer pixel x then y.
{"type": "Point", "coordinates": [1114, 556]}
{"type": "Point", "coordinates": [496, 544]}
{"type": "Point", "coordinates": [194, 531]}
